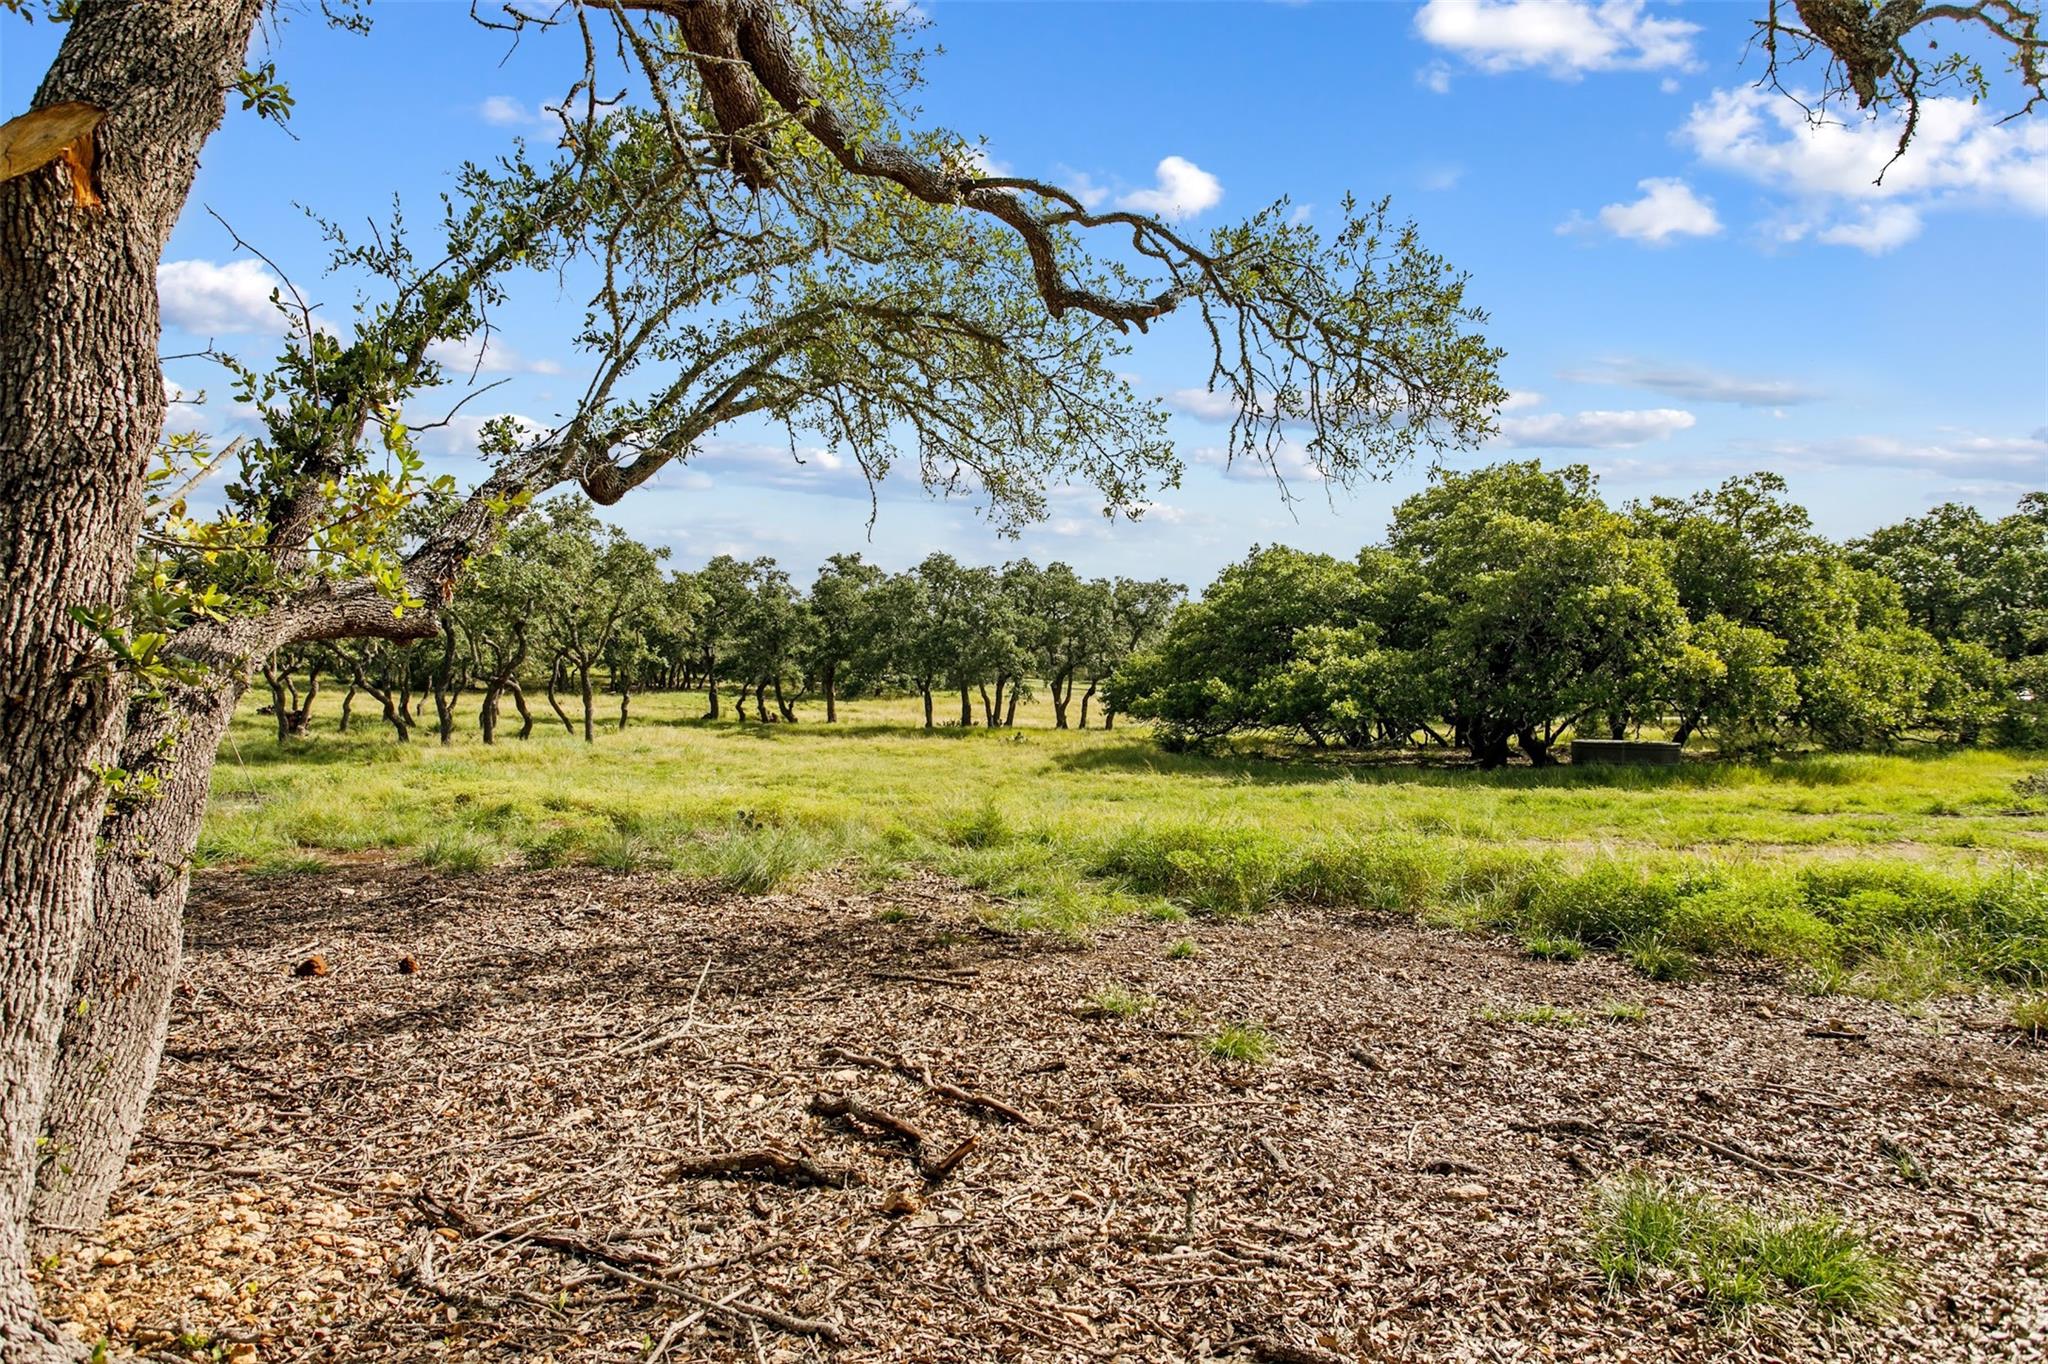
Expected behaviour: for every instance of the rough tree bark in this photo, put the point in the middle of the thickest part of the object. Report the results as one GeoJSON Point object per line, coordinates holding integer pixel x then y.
{"type": "Point", "coordinates": [81, 408]}
{"type": "Point", "coordinates": [120, 997]}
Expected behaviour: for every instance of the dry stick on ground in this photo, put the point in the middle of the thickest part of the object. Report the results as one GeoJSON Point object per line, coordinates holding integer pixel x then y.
{"type": "Point", "coordinates": [766, 1162]}
{"type": "Point", "coordinates": [849, 1109]}
{"type": "Point", "coordinates": [965, 1097]}
{"type": "Point", "coordinates": [617, 1264]}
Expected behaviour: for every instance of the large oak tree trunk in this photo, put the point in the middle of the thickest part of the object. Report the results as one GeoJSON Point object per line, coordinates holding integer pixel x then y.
{"type": "Point", "coordinates": [121, 992]}
{"type": "Point", "coordinates": [81, 408]}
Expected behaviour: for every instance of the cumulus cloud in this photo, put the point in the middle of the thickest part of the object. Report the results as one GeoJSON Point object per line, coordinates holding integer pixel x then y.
{"type": "Point", "coordinates": [1695, 383]}
{"type": "Point", "coordinates": [1830, 174]}
{"type": "Point", "coordinates": [506, 111]}
{"type": "Point", "coordinates": [478, 354]}
{"type": "Point", "coordinates": [204, 298]}
{"type": "Point", "coordinates": [1562, 38]}
{"type": "Point", "coordinates": [1667, 209]}
{"type": "Point", "coordinates": [1183, 189]}
{"type": "Point", "coordinates": [1595, 430]}
{"type": "Point", "coordinates": [459, 435]}
{"type": "Point", "coordinates": [1435, 78]}
{"type": "Point", "coordinates": [1082, 186]}
{"type": "Point", "coordinates": [1203, 404]}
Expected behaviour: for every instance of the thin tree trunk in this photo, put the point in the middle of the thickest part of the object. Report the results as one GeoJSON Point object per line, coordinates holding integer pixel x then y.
{"type": "Point", "coordinates": [966, 709]}
{"type": "Point", "coordinates": [348, 706]}
{"type": "Point", "coordinates": [926, 692]}
{"type": "Point", "coordinates": [589, 702]}
{"type": "Point", "coordinates": [988, 708]}
{"type": "Point", "coordinates": [1010, 716]}
{"type": "Point", "coordinates": [711, 676]}
{"type": "Point", "coordinates": [1060, 700]}
{"type": "Point", "coordinates": [1086, 697]}
{"type": "Point", "coordinates": [554, 682]}
{"type": "Point", "coordinates": [831, 703]}
{"type": "Point", "coordinates": [519, 704]}
{"type": "Point", "coordinates": [625, 700]}
{"type": "Point", "coordinates": [81, 408]}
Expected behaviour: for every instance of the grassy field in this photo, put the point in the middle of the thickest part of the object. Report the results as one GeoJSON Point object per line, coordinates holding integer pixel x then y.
{"type": "Point", "coordinates": [1900, 876]}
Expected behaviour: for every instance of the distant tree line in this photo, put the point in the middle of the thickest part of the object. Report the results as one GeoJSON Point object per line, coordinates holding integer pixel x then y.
{"type": "Point", "coordinates": [1512, 606]}
{"type": "Point", "coordinates": [569, 609]}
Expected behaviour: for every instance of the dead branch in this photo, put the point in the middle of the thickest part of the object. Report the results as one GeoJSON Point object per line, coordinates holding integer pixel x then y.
{"type": "Point", "coordinates": [765, 1162]}
{"type": "Point", "coordinates": [965, 1097]}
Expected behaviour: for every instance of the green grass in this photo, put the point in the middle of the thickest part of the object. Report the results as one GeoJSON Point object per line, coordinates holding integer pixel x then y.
{"type": "Point", "coordinates": [1543, 947]}
{"type": "Point", "coordinates": [1897, 876]}
{"type": "Point", "coordinates": [1736, 1258]}
{"type": "Point", "coordinates": [1246, 1042]}
{"type": "Point", "coordinates": [2030, 1016]}
{"type": "Point", "coordinates": [1183, 949]}
{"type": "Point", "coordinates": [1114, 1001]}
{"type": "Point", "coordinates": [1624, 1011]}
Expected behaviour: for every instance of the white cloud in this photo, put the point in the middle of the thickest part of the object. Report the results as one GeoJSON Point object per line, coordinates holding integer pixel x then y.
{"type": "Point", "coordinates": [1595, 430]}
{"type": "Point", "coordinates": [1288, 459]}
{"type": "Point", "coordinates": [1435, 78]}
{"type": "Point", "coordinates": [1183, 190]}
{"type": "Point", "coordinates": [1693, 382]}
{"type": "Point", "coordinates": [476, 355]}
{"type": "Point", "coordinates": [1960, 153]}
{"type": "Point", "coordinates": [203, 298]}
{"type": "Point", "coordinates": [1667, 209]}
{"type": "Point", "coordinates": [1875, 230]}
{"type": "Point", "coordinates": [1082, 186]}
{"type": "Point", "coordinates": [505, 111]}
{"type": "Point", "coordinates": [1951, 454]}
{"type": "Point", "coordinates": [1203, 404]}
{"type": "Point", "coordinates": [1519, 398]}
{"type": "Point", "coordinates": [1563, 38]}
{"type": "Point", "coordinates": [458, 436]}
{"type": "Point", "coordinates": [1439, 178]}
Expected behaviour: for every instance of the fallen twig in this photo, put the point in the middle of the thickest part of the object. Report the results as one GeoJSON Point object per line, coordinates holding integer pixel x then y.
{"type": "Point", "coordinates": [923, 1075]}
{"type": "Point", "coordinates": [766, 1162]}
{"type": "Point", "coordinates": [618, 1265]}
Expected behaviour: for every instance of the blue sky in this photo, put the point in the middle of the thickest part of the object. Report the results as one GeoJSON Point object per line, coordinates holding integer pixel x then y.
{"type": "Point", "coordinates": [1688, 283]}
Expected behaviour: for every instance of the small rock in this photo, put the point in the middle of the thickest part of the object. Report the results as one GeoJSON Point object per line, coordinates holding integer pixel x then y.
{"type": "Point", "coordinates": [114, 1258]}
{"type": "Point", "coordinates": [1466, 1193]}
{"type": "Point", "coordinates": [315, 965]}
{"type": "Point", "coordinates": [241, 1352]}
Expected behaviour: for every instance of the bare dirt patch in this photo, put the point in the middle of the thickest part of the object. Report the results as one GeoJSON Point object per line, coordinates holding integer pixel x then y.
{"type": "Point", "coordinates": [588, 1126]}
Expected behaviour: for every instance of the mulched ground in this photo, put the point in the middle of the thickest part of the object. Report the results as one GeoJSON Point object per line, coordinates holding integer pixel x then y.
{"type": "Point", "coordinates": [499, 1155]}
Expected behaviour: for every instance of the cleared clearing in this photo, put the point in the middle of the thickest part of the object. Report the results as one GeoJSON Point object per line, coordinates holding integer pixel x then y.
{"type": "Point", "coordinates": [485, 1158]}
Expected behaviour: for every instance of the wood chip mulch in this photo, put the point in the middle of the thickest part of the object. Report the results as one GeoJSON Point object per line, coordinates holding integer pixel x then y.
{"type": "Point", "coordinates": [566, 1115]}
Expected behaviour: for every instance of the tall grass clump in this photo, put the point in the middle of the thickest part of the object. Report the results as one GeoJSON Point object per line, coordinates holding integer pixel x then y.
{"type": "Point", "coordinates": [753, 859]}
{"type": "Point", "coordinates": [1217, 869]}
{"type": "Point", "coordinates": [1734, 1257]}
